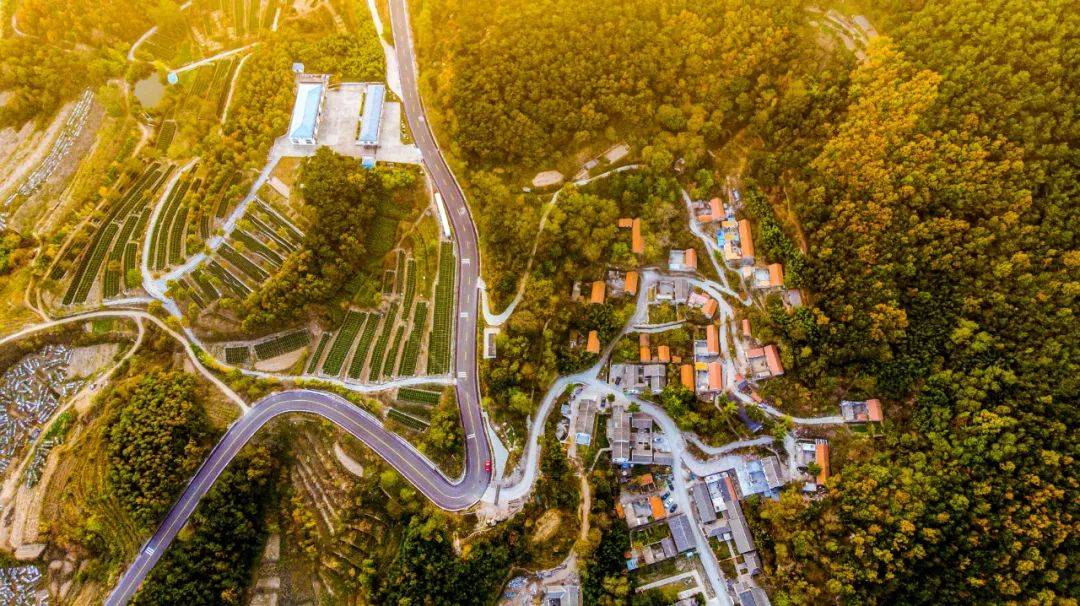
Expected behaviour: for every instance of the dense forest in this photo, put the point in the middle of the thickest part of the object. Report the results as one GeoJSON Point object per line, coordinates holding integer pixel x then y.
{"type": "Point", "coordinates": [212, 564]}
{"type": "Point", "coordinates": [158, 436]}
{"type": "Point", "coordinates": [567, 71]}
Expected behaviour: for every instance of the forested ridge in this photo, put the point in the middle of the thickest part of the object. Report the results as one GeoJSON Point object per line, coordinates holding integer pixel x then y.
{"type": "Point", "coordinates": [941, 210]}
{"type": "Point", "coordinates": [568, 71]}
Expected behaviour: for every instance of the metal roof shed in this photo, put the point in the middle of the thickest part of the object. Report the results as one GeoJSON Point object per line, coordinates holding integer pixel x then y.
{"type": "Point", "coordinates": [369, 125]}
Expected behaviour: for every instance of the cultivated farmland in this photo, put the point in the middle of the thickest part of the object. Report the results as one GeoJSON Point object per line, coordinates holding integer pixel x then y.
{"type": "Point", "coordinates": [111, 236]}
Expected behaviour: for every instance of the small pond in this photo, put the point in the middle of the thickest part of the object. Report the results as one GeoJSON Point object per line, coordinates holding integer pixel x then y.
{"type": "Point", "coordinates": [149, 90]}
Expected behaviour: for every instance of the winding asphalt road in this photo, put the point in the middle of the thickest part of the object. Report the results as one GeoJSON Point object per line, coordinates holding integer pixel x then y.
{"type": "Point", "coordinates": [453, 495]}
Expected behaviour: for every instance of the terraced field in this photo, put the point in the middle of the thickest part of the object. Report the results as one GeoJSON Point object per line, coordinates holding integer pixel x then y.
{"type": "Point", "coordinates": [165, 135]}
{"type": "Point", "coordinates": [276, 221]}
{"type": "Point", "coordinates": [263, 228]}
{"type": "Point", "coordinates": [282, 344]}
{"type": "Point", "coordinates": [343, 341]}
{"type": "Point", "coordinates": [439, 348]}
{"type": "Point", "coordinates": [111, 237]}
{"type": "Point", "coordinates": [410, 285]}
{"type": "Point", "coordinates": [392, 355]}
{"type": "Point", "coordinates": [205, 288]}
{"type": "Point", "coordinates": [257, 247]}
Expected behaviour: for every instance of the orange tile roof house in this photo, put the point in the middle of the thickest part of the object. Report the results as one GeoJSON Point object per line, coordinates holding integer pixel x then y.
{"type": "Point", "coordinates": [716, 376]}
{"type": "Point", "coordinates": [646, 354]}
{"type": "Point", "coordinates": [861, 412]}
{"type": "Point", "coordinates": [746, 240]}
{"type": "Point", "coordinates": [594, 342]}
{"type": "Point", "coordinates": [776, 275]}
{"type": "Point", "coordinates": [682, 260]}
{"type": "Point", "coordinates": [686, 376]}
{"type": "Point", "coordinates": [643, 339]}
{"type": "Point", "coordinates": [746, 328]}
{"type": "Point", "coordinates": [658, 510]}
{"type": "Point", "coordinates": [631, 282]}
{"type": "Point", "coordinates": [712, 339]}
{"type": "Point", "coordinates": [663, 353]}
{"type": "Point", "coordinates": [626, 223]}
{"type": "Point", "coordinates": [637, 242]}
{"type": "Point", "coordinates": [772, 357]}
{"type": "Point", "coordinates": [822, 459]}
{"type": "Point", "coordinates": [709, 309]}
{"type": "Point", "coordinates": [597, 292]}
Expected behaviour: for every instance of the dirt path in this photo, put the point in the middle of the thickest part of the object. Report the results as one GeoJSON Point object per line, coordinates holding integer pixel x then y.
{"type": "Point", "coordinates": [586, 501]}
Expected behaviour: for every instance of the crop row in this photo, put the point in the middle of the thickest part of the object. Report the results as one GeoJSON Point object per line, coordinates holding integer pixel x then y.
{"type": "Point", "coordinates": [158, 244]}
{"type": "Point", "coordinates": [277, 220]}
{"type": "Point", "coordinates": [177, 226]}
{"type": "Point", "coordinates": [392, 354]}
{"type": "Point", "coordinates": [223, 94]}
{"type": "Point", "coordinates": [242, 263]}
{"type": "Point", "coordinates": [420, 411]}
{"type": "Point", "coordinates": [222, 204]}
{"type": "Point", "coordinates": [376, 364]}
{"type": "Point", "coordinates": [410, 285]}
{"type": "Point", "coordinates": [130, 262]}
{"type": "Point", "coordinates": [193, 292]}
{"type": "Point", "coordinates": [388, 282]}
{"type": "Point", "coordinates": [412, 346]}
{"type": "Point", "coordinates": [165, 135]}
{"type": "Point", "coordinates": [111, 286]}
{"type": "Point", "coordinates": [439, 347]}
{"type": "Point", "coordinates": [258, 247]}
{"type": "Point", "coordinates": [227, 279]}
{"type": "Point", "coordinates": [408, 421]}
{"type": "Point", "coordinates": [313, 363]}
{"type": "Point", "coordinates": [268, 17]}
{"type": "Point", "coordinates": [80, 286]}
{"type": "Point", "coordinates": [357, 365]}
{"type": "Point", "coordinates": [282, 344]}
{"type": "Point", "coordinates": [205, 287]}
{"type": "Point", "coordinates": [238, 354]}
{"type": "Point", "coordinates": [399, 271]}
{"type": "Point", "coordinates": [268, 232]}
{"type": "Point", "coordinates": [422, 396]}
{"type": "Point", "coordinates": [343, 342]}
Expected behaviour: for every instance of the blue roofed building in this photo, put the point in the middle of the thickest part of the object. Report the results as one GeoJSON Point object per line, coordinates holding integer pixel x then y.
{"type": "Point", "coordinates": [307, 110]}
{"type": "Point", "coordinates": [369, 122]}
